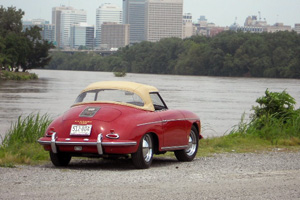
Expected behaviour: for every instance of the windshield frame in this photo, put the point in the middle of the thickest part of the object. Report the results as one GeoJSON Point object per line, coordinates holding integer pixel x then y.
{"type": "Point", "coordinates": [117, 96]}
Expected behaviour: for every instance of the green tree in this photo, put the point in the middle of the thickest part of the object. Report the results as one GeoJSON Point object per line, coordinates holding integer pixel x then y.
{"type": "Point", "coordinates": [38, 52]}
{"type": "Point", "coordinates": [22, 49]}
{"type": "Point", "coordinates": [10, 20]}
{"type": "Point", "coordinates": [17, 48]}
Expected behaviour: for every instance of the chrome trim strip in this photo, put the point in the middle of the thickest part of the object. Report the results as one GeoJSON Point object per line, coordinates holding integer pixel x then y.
{"type": "Point", "coordinates": [119, 143]}
{"type": "Point", "coordinates": [192, 119]}
{"type": "Point", "coordinates": [164, 121]}
{"type": "Point", "coordinates": [53, 145]}
{"type": "Point", "coordinates": [44, 142]}
{"type": "Point", "coordinates": [148, 123]}
{"type": "Point", "coordinates": [174, 120]}
{"type": "Point", "coordinates": [58, 143]}
{"type": "Point", "coordinates": [175, 147]}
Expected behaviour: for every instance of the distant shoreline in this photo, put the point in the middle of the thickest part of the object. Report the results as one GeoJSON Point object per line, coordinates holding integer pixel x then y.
{"type": "Point", "coordinates": [19, 76]}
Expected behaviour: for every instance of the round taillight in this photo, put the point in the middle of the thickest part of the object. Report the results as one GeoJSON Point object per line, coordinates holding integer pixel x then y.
{"type": "Point", "coordinates": [50, 132]}
{"type": "Point", "coordinates": [113, 135]}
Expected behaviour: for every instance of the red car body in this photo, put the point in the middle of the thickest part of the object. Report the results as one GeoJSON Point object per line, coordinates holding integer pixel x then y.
{"type": "Point", "coordinates": [101, 128]}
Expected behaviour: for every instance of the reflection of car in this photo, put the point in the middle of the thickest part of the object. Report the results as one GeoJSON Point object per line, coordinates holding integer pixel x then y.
{"type": "Point", "coordinates": [116, 118]}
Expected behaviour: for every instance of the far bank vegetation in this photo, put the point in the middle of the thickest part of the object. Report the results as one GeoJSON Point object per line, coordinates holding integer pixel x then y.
{"type": "Point", "coordinates": [235, 54]}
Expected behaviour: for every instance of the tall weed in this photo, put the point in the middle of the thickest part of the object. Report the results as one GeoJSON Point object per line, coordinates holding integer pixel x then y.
{"type": "Point", "coordinates": [20, 142]}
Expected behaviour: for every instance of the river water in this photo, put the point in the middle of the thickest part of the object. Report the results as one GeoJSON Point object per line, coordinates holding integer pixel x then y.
{"type": "Point", "coordinates": [218, 101]}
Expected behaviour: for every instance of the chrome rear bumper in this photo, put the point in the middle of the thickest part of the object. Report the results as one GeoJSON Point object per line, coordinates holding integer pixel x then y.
{"type": "Point", "coordinates": [99, 144]}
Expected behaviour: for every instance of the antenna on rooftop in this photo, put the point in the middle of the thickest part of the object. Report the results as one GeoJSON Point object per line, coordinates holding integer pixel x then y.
{"type": "Point", "coordinates": [259, 15]}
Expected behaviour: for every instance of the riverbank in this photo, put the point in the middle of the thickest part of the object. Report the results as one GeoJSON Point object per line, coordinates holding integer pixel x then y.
{"type": "Point", "coordinates": [7, 75]}
{"type": "Point", "coordinates": [272, 175]}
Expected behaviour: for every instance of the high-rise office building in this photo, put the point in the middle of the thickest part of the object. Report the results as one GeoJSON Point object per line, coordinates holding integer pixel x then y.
{"type": "Point", "coordinates": [47, 30]}
{"type": "Point", "coordinates": [297, 28]}
{"type": "Point", "coordinates": [114, 35]}
{"type": "Point", "coordinates": [106, 13]}
{"type": "Point", "coordinates": [163, 19]}
{"type": "Point", "coordinates": [68, 18]}
{"type": "Point", "coordinates": [134, 14]}
{"type": "Point", "coordinates": [188, 28]}
{"type": "Point", "coordinates": [82, 34]}
{"type": "Point", "coordinates": [56, 21]}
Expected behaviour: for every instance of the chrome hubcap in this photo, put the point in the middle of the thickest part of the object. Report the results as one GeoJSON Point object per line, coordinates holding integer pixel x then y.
{"type": "Point", "coordinates": [192, 144]}
{"type": "Point", "coordinates": [147, 148]}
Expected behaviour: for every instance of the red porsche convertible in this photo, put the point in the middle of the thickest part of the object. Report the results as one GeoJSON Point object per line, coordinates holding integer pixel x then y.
{"type": "Point", "coordinates": [118, 118]}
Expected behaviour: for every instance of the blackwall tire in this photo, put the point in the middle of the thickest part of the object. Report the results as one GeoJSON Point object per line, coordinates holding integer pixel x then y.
{"type": "Point", "coordinates": [142, 159]}
{"type": "Point", "coordinates": [188, 154]}
{"type": "Point", "coordinates": [60, 159]}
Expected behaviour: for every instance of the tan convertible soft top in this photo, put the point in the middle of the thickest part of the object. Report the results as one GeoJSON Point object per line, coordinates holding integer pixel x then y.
{"type": "Point", "coordinates": [137, 88]}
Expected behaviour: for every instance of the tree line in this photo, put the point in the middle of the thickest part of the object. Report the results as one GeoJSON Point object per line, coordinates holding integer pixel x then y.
{"type": "Point", "coordinates": [20, 49]}
{"type": "Point", "coordinates": [235, 54]}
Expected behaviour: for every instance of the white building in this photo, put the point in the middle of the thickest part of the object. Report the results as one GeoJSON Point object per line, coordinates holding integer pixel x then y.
{"type": "Point", "coordinates": [82, 34]}
{"type": "Point", "coordinates": [278, 27]}
{"type": "Point", "coordinates": [134, 14]}
{"type": "Point", "coordinates": [106, 13]}
{"type": "Point", "coordinates": [68, 18]}
{"type": "Point", "coordinates": [56, 21]}
{"type": "Point", "coordinates": [188, 28]}
{"type": "Point", "coordinates": [163, 19]}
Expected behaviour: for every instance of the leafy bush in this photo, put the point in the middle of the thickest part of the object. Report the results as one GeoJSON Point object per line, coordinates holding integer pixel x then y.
{"type": "Point", "coordinates": [274, 119]}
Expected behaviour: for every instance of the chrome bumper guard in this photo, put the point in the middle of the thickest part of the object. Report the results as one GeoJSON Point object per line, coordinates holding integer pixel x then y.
{"type": "Point", "coordinates": [99, 143]}
{"type": "Point", "coordinates": [53, 145]}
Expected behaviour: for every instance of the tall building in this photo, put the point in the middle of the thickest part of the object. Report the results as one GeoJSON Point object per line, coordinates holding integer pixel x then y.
{"type": "Point", "coordinates": [297, 28]}
{"type": "Point", "coordinates": [163, 19]}
{"type": "Point", "coordinates": [47, 32]}
{"type": "Point", "coordinates": [134, 14]}
{"type": "Point", "coordinates": [56, 20]}
{"type": "Point", "coordinates": [68, 18]}
{"type": "Point", "coordinates": [114, 35]}
{"type": "Point", "coordinates": [106, 13]}
{"type": "Point", "coordinates": [188, 28]}
{"type": "Point", "coordinates": [82, 35]}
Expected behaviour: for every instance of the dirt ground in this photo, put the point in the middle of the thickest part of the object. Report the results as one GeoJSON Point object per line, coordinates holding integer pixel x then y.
{"type": "Point", "coordinates": [273, 175]}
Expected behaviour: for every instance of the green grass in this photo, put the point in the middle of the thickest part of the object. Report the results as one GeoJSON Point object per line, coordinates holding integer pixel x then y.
{"type": "Point", "coordinates": [7, 75]}
{"type": "Point", "coordinates": [19, 145]}
{"type": "Point", "coordinates": [244, 144]}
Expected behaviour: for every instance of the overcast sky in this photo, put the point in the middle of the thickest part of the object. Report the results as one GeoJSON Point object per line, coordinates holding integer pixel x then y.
{"type": "Point", "coordinates": [220, 12]}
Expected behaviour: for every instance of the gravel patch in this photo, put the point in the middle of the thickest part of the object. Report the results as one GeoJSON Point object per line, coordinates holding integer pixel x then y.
{"type": "Point", "coordinates": [274, 175]}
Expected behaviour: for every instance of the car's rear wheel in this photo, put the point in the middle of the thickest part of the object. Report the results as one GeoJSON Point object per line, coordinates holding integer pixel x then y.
{"type": "Point", "coordinates": [142, 159]}
{"type": "Point", "coordinates": [60, 159]}
{"type": "Point", "coordinates": [189, 153]}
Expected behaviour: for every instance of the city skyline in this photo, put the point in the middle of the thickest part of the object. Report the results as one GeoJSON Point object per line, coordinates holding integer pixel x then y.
{"type": "Point", "coordinates": [215, 10]}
